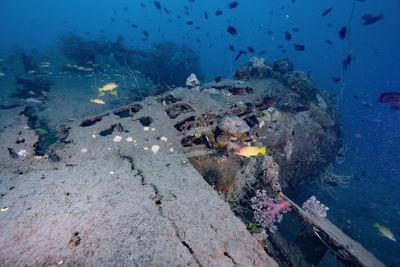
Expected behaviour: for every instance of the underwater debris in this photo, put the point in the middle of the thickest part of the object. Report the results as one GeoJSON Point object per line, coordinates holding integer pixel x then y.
{"type": "Point", "coordinates": [168, 99]}
{"type": "Point", "coordinates": [177, 109]}
{"type": "Point", "coordinates": [91, 121]}
{"type": "Point", "coordinates": [128, 111]}
{"type": "Point", "coordinates": [192, 81]}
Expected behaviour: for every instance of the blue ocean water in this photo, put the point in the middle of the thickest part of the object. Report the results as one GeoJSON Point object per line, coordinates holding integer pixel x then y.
{"type": "Point", "coordinates": [372, 132]}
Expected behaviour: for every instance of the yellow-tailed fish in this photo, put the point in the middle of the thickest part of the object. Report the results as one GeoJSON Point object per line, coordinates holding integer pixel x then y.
{"type": "Point", "coordinates": [97, 101]}
{"type": "Point", "coordinates": [113, 92]}
{"type": "Point", "coordinates": [385, 231]}
{"type": "Point", "coordinates": [101, 94]}
{"type": "Point", "coordinates": [108, 87]}
{"type": "Point", "coordinates": [249, 151]}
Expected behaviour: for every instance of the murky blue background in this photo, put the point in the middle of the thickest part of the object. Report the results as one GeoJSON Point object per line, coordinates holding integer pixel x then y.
{"type": "Point", "coordinates": [372, 131]}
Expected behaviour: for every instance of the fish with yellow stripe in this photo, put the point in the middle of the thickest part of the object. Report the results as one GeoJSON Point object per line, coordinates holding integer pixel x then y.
{"type": "Point", "coordinates": [385, 231]}
{"type": "Point", "coordinates": [108, 87]}
{"type": "Point", "coordinates": [249, 151]}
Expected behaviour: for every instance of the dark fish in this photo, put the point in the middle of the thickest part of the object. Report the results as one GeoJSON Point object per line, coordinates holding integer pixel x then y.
{"type": "Point", "coordinates": [197, 28]}
{"type": "Point", "coordinates": [157, 4]}
{"type": "Point", "coordinates": [112, 19]}
{"type": "Point", "coordinates": [232, 30]}
{"type": "Point", "coordinates": [198, 40]}
{"type": "Point", "coordinates": [189, 22]}
{"type": "Point", "coordinates": [133, 26]}
{"type": "Point", "coordinates": [146, 33]}
{"type": "Point", "coordinates": [389, 97]}
{"type": "Point", "coordinates": [299, 47]}
{"type": "Point", "coordinates": [328, 42]}
{"type": "Point", "coordinates": [238, 56]}
{"type": "Point", "coordinates": [233, 4]}
{"type": "Point", "coordinates": [251, 50]}
{"type": "Point", "coordinates": [342, 32]}
{"type": "Point", "coordinates": [218, 13]}
{"type": "Point", "coordinates": [219, 79]}
{"type": "Point", "coordinates": [363, 173]}
{"type": "Point", "coordinates": [326, 12]}
{"type": "Point", "coordinates": [356, 97]}
{"type": "Point", "coordinates": [347, 61]}
{"type": "Point", "coordinates": [205, 15]}
{"type": "Point", "coordinates": [270, 33]}
{"type": "Point", "coordinates": [357, 178]}
{"type": "Point", "coordinates": [284, 51]}
{"type": "Point", "coordinates": [288, 36]}
{"type": "Point", "coordinates": [280, 46]}
{"type": "Point", "coordinates": [12, 154]}
{"type": "Point", "coordinates": [231, 47]}
{"type": "Point", "coordinates": [191, 0]}
{"type": "Point", "coordinates": [142, 5]}
{"type": "Point", "coordinates": [186, 7]}
{"type": "Point", "coordinates": [395, 107]}
{"type": "Point", "coordinates": [87, 33]}
{"type": "Point", "coordinates": [262, 52]}
{"type": "Point", "coordinates": [240, 53]}
{"type": "Point", "coordinates": [334, 79]}
{"type": "Point", "coordinates": [369, 19]}
{"type": "Point", "coordinates": [295, 29]}
{"type": "Point", "coordinates": [125, 9]}
{"type": "Point", "coordinates": [166, 10]}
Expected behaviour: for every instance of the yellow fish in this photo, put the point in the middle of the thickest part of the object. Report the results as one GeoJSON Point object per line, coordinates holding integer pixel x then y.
{"type": "Point", "coordinates": [249, 151]}
{"type": "Point", "coordinates": [97, 101]}
{"type": "Point", "coordinates": [385, 231]}
{"type": "Point", "coordinates": [108, 87]}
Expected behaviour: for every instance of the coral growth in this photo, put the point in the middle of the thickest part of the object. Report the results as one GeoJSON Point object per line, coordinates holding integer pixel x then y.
{"type": "Point", "coordinates": [313, 206]}
{"type": "Point", "coordinates": [259, 68]}
{"type": "Point", "coordinates": [271, 173]}
{"type": "Point", "coordinates": [234, 126]}
{"type": "Point", "coordinates": [268, 211]}
{"type": "Point", "coordinates": [234, 132]}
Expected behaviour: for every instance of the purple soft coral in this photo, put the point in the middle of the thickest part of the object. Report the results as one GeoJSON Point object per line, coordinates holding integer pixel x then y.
{"type": "Point", "coordinates": [313, 206]}
{"type": "Point", "coordinates": [268, 211]}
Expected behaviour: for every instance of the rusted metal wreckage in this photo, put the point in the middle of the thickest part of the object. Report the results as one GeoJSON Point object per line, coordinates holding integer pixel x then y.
{"type": "Point", "coordinates": [197, 129]}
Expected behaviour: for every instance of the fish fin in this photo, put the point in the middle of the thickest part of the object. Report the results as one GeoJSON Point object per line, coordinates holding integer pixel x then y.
{"type": "Point", "coordinates": [263, 150]}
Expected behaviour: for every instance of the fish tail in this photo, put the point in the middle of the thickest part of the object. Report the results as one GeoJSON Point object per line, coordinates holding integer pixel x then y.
{"type": "Point", "coordinates": [377, 225]}
{"type": "Point", "coordinates": [263, 150]}
{"type": "Point", "coordinates": [91, 100]}
{"type": "Point", "coordinates": [113, 92]}
{"type": "Point", "coordinates": [100, 89]}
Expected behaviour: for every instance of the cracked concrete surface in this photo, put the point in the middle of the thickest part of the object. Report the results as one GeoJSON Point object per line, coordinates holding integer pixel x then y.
{"type": "Point", "coordinates": [93, 208]}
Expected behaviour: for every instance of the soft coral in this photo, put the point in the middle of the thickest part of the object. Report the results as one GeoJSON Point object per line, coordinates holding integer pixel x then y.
{"type": "Point", "coordinates": [267, 211]}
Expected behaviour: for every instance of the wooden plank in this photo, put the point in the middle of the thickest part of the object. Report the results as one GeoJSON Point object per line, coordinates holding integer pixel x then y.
{"type": "Point", "coordinates": [350, 252]}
